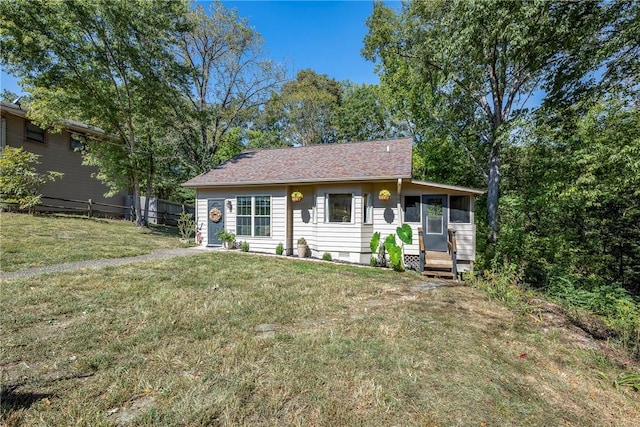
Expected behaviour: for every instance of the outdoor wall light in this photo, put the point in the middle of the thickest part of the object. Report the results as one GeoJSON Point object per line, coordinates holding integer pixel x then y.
{"type": "Point", "coordinates": [229, 205]}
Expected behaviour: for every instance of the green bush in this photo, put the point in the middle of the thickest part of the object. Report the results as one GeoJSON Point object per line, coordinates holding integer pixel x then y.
{"type": "Point", "coordinates": [502, 283]}
{"type": "Point", "coordinates": [279, 249]}
{"type": "Point", "coordinates": [244, 247]}
{"type": "Point", "coordinates": [19, 181]}
{"type": "Point", "coordinates": [186, 225]}
{"type": "Point", "coordinates": [619, 310]}
{"type": "Point", "coordinates": [326, 256]}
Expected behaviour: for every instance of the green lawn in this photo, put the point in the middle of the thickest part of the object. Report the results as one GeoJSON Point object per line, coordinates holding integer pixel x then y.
{"type": "Point", "coordinates": [28, 241]}
{"type": "Point", "coordinates": [227, 338]}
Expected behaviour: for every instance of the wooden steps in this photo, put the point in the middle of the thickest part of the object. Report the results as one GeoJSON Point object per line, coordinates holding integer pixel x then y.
{"type": "Point", "coordinates": [438, 273]}
{"type": "Point", "coordinates": [436, 263]}
{"type": "Point", "coordinates": [437, 260]}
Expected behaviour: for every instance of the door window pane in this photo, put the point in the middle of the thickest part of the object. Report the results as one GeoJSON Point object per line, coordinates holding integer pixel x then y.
{"type": "Point", "coordinates": [434, 216]}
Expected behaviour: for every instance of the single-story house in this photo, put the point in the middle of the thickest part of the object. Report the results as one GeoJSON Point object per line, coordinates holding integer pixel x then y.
{"type": "Point", "coordinates": [58, 152]}
{"type": "Point", "coordinates": [340, 210]}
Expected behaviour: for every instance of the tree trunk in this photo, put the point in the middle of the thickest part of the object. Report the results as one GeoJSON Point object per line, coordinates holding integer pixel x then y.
{"type": "Point", "coordinates": [147, 199]}
{"type": "Point", "coordinates": [493, 184]}
{"type": "Point", "coordinates": [136, 202]}
{"type": "Point", "coordinates": [148, 192]}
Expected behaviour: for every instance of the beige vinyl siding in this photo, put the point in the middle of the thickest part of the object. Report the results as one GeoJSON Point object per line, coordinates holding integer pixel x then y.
{"type": "Point", "coordinates": [303, 217]}
{"type": "Point", "coordinates": [466, 240]}
{"type": "Point", "coordinates": [56, 155]}
{"type": "Point", "coordinates": [344, 241]}
{"type": "Point", "coordinates": [465, 233]}
{"type": "Point", "coordinates": [341, 240]}
{"type": "Point", "coordinates": [256, 243]}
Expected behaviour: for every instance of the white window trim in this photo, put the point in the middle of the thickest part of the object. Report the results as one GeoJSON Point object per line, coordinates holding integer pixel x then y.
{"type": "Point", "coordinates": [326, 208]}
{"type": "Point", "coordinates": [314, 210]}
{"type": "Point", "coordinates": [253, 216]}
{"type": "Point", "coordinates": [367, 208]}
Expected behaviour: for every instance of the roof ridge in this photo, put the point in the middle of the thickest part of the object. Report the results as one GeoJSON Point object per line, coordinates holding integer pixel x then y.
{"type": "Point", "coordinates": [315, 146]}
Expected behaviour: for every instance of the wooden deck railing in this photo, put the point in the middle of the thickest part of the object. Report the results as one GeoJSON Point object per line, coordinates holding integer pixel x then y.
{"type": "Point", "coordinates": [452, 246]}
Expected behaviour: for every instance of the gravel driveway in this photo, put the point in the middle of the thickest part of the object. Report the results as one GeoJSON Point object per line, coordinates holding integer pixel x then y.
{"type": "Point", "coordinates": [158, 254]}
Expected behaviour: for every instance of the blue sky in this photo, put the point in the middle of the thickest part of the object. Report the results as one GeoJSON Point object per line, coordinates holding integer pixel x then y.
{"type": "Point", "coordinates": [326, 36]}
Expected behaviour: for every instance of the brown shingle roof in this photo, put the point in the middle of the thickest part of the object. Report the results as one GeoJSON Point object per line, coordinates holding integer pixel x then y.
{"type": "Point", "coordinates": [357, 161]}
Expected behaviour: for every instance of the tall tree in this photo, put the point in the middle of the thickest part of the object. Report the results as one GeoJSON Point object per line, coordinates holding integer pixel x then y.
{"type": "Point", "coordinates": [468, 67]}
{"type": "Point", "coordinates": [229, 80]}
{"type": "Point", "coordinates": [106, 63]}
{"type": "Point", "coordinates": [363, 114]}
{"type": "Point", "coordinates": [309, 104]}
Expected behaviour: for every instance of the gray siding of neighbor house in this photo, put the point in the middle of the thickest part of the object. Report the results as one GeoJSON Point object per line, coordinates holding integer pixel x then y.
{"type": "Point", "coordinates": [56, 155]}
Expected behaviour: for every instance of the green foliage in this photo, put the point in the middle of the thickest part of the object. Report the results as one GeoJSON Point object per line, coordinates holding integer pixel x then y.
{"type": "Point", "coordinates": [244, 247]}
{"type": "Point", "coordinates": [228, 79]}
{"type": "Point", "coordinates": [390, 247]}
{"type": "Point", "coordinates": [186, 225]}
{"type": "Point", "coordinates": [405, 234]}
{"type": "Point", "coordinates": [309, 104]}
{"type": "Point", "coordinates": [226, 236]}
{"type": "Point", "coordinates": [628, 380]}
{"type": "Point", "coordinates": [326, 256]}
{"type": "Point", "coordinates": [364, 114]}
{"type": "Point", "coordinates": [107, 64]}
{"type": "Point", "coordinates": [441, 61]}
{"type": "Point", "coordinates": [374, 243]}
{"type": "Point", "coordinates": [19, 181]}
{"type": "Point", "coordinates": [502, 283]}
{"type": "Point", "coordinates": [395, 253]}
{"type": "Point", "coordinates": [569, 205]}
{"type": "Point", "coordinates": [280, 249]}
{"type": "Point", "coordinates": [620, 311]}
{"type": "Point", "coordinates": [302, 241]}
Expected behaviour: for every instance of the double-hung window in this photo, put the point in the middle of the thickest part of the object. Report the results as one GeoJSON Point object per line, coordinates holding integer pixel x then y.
{"type": "Point", "coordinates": [253, 216]}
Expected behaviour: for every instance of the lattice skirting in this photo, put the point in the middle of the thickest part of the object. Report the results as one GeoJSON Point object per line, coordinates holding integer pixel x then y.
{"type": "Point", "coordinates": [412, 262]}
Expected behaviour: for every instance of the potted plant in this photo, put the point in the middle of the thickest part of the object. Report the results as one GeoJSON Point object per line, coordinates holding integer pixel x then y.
{"type": "Point", "coordinates": [227, 238]}
{"type": "Point", "coordinates": [296, 196]}
{"type": "Point", "coordinates": [384, 195]}
{"type": "Point", "coordinates": [302, 247]}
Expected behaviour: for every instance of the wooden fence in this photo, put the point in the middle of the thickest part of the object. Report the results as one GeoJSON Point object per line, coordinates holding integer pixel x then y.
{"type": "Point", "coordinates": [165, 212]}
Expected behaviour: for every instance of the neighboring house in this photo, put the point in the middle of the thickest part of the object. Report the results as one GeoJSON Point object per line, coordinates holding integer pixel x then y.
{"type": "Point", "coordinates": [58, 152]}
{"type": "Point", "coordinates": [250, 195]}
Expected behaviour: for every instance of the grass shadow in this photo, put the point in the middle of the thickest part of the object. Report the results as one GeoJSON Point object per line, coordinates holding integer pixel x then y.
{"type": "Point", "coordinates": [10, 400]}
